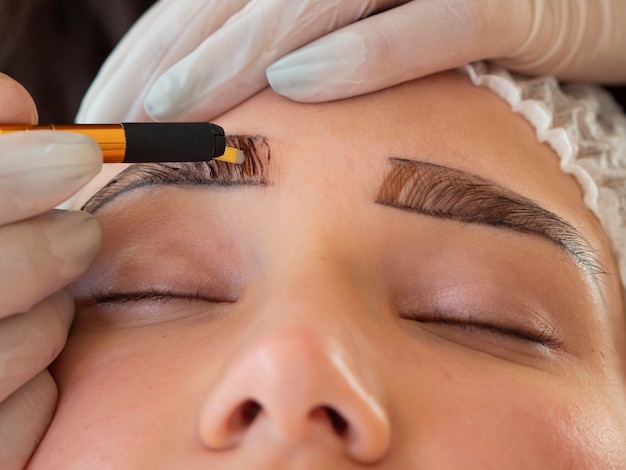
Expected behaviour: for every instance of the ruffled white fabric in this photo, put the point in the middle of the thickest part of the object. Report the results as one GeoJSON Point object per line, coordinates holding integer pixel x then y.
{"type": "Point", "coordinates": [586, 129]}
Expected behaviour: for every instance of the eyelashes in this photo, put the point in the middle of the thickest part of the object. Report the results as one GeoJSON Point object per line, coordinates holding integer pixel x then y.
{"type": "Point", "coordinates": [114, 298]}
{"type": "Point", "coordinates": [108, 310]}
{"type": "Point", "coordinates": [544, 335]}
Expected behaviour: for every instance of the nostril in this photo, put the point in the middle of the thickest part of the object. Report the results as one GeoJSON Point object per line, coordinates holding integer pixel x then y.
{"type": "Point", "coordinates": [249, 411]}
{"type": "Point", "coordinates": [339, 424]}
{"type": "Point", "coordinates": [228, 431]}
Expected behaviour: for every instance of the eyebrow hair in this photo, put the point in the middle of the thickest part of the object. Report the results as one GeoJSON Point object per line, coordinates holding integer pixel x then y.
{"type": "Point", "coordinates": [253, 171]}
{"type": "Point", "coordinates": [448, 193]}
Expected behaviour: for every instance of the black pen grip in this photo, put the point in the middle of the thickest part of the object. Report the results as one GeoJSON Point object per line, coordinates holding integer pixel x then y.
{"type": "Point", "coordinates": [173, 141]}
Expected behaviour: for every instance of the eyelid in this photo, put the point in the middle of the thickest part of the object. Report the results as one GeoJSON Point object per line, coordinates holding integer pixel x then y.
{"type": "Point", "coordinates": [544, 335]}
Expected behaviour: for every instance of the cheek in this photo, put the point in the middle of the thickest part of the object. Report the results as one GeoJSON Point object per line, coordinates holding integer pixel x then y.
{"type": "Point", "coordinates": [449, 408]}
{"type": "Point", "coordinates": [164, 372]}
{"type": "Point", "coordinates": [491, 415]}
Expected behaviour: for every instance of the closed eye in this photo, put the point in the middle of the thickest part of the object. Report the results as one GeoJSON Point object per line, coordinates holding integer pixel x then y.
{"type": "Point", "coordinates": [100, 298]}
{"type": "Point", "coordinates": [145, 307]}
{"type": "Point", "coordinates": [543, 336]}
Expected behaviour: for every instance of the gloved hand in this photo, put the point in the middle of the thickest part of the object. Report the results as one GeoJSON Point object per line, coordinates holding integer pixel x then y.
{"type": "Point", "coordinates": [192, 59]}
{"type": "Point", "coordinates": [41, 250]}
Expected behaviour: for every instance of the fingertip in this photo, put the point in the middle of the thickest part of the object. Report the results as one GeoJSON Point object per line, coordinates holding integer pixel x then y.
{"type": "Point", "coordinates": [327, 69]}
{"type": "Point", "coordinates": [295, 85]}
{"type": "Point", "coordinates": [16, 104]}
{"type": "Point", "coordinates": [63, 305]}
{"type": "Point", "coordinates": [163, 103]}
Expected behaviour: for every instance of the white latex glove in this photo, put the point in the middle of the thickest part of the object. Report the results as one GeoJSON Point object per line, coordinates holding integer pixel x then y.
{"type": "Point", "coordinates": [41, 251]}
{"type": "Point", "coordinates": [193, 59]}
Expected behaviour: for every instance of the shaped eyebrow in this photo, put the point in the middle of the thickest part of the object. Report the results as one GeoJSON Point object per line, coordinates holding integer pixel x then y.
{"type": "Point", "coordinates": [211, 173]}
{"type": "Point", "coordinates": [447, 193]}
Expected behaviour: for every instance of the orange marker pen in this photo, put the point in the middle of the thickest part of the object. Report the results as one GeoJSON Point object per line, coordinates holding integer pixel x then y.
{"type": "Point", "coordinates": [138, 142]}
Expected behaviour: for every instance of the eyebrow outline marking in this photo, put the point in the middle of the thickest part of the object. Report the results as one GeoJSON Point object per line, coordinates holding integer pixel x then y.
{"type": "Point", "coordinates": [448, 193]}
{"type": "Point", "coordinates": [252, 172]}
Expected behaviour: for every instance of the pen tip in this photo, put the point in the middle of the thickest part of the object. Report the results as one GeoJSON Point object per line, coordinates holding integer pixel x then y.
{"type": "Point", "coordinates": [241, 157]}
{"type": "Point", "coordinates": [232, 155]}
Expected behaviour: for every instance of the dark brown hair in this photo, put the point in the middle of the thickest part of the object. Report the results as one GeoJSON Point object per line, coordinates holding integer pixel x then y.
{"type": "Point", "coordinates": [55, 47]}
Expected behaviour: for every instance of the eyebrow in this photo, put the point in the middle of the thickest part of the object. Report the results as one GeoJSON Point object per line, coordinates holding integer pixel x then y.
{"type": "Point", "coordinates": [210, 173]}
{"type": "Point", "coordinates": [410, 185]}
{"type": "Point", "coordinates": [453, 194]}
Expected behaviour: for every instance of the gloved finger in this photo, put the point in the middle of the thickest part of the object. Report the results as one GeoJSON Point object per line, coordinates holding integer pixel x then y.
{"type": "Point", "coordinates": [24, 419]}
{"type": "Point", "coordinates": [16, 104]}
{"type": "Point", "coordinates": [403, 43]}
{"type": "Point", "coordinates": [40, 169]}
{"type": "Point", "coordinates": [169, 31]}
{"type": "Point", "coordinates": [42, 255]}
{"type": "Point", "coordinates": [30, 341]}
{"type": "Point", "coordinates": [230, 65]}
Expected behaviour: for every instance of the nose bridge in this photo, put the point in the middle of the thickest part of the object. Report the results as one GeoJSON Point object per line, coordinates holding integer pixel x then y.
{"type": "Point", "coordinates": [301, 373]}
{"type": "Point", "coordinates": [313, 283]}
{"type": "Point", "coordinates": [311, 256]}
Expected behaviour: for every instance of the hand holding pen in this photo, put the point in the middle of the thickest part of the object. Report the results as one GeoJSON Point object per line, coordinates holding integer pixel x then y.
{"type": "Point", "coordinates": [41, 251]}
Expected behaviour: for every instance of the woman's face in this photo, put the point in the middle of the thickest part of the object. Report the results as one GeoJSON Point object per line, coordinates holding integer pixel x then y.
{"type": "Point", "coordinates": [404, 280]}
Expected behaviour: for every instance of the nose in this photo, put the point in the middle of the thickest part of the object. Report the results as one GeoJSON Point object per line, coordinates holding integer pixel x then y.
{"type": "Point", "coordinates": [299, 387]}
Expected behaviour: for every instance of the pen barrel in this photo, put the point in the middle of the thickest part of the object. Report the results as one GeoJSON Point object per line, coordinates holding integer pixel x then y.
{"type": "Point", "coordinates": [173, 141]}
{"type": "Point", "coordinates": [110, 137]}
{"type": "Point", "coordinates": [137, 142]}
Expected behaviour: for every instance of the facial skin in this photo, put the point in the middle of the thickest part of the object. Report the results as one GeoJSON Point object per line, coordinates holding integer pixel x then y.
{"type": "Point", "coordinates": [298, 323]}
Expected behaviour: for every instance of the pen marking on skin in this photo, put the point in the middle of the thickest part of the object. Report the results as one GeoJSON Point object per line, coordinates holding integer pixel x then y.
{"type": "Point", "coordinates": [211, 173]}
{"type": "Point", "coordinates": [448, 193]}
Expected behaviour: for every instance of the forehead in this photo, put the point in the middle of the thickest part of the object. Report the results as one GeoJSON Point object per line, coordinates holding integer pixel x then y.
{"type": "Point", "coordinates": [442, 119]}
{"type": "Point", "coordinates": [344, 147]}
